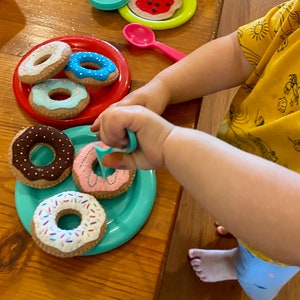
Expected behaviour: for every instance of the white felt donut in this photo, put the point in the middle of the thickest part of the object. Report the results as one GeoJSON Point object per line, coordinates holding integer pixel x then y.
{"type": "Point", "coordinates": [68, 242]}
{"type": "Point", "coordinates": [44, 62]}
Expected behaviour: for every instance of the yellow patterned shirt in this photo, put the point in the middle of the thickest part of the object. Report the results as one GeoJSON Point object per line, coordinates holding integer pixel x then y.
{"type": "Point", "coordinates": [264, 118]}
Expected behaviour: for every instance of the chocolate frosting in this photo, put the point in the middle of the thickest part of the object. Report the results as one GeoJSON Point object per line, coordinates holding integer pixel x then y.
{"type": "Point", "coordinates": [32, 136]}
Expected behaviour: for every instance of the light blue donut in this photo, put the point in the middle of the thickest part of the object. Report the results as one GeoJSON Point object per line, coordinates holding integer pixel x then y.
{"type": "Point", "coordinates": [40, 94]}
{"type": "Point", "coordinates": [106, 66]}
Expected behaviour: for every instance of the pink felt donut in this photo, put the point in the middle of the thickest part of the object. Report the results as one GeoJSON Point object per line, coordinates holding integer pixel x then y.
{"type": "Point", "coordinates": [86, 178]}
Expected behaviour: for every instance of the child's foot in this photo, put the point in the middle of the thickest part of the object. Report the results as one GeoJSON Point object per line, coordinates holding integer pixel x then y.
{"type": "Point", "coordinates": [213, 265]}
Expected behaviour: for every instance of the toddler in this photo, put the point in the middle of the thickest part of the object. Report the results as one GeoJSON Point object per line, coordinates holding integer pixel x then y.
{"type": "Point", "coordinates": [247, 178]}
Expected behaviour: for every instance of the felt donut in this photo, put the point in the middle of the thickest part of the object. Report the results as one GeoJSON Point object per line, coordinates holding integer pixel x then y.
{"type": "Point", "coordinates": [41, 176]}
{"type": "Point", "coordinates": [85, 175]}
{"type": "Point", "coordinates": [42, 98]}
{"type": "Point", "coordinates": [68, 242]}
{"type": "Point", "coordinates": [91, 69]}
{"type": "Point", "coordinates": [44, 62]}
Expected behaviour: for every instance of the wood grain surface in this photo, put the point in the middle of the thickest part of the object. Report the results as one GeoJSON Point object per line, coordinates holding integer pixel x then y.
{"type": "Point", "coordinates": [134, 270]}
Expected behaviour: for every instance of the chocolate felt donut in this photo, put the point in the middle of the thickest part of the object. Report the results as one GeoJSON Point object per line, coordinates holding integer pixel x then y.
{"type": "Point", "coordinates": [41, 176]}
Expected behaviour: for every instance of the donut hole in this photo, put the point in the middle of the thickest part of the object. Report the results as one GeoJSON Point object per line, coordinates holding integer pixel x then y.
{"type": "Point", "coordinates": [68, 219]}
{"type": "Point", "coordinates": [42, 59]}
{"type": "Point", "coordinates": [42, 155]}
{"type": "Point", "coordinates": [90, 66]}
{"type": "Point", "coordinates": [98, 170]}
{"type": "Point", "coordinates": [59, 94]}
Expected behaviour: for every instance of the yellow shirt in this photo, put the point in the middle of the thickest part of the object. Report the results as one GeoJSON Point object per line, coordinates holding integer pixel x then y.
{"type": "Point", "coordinates": [264, 118]}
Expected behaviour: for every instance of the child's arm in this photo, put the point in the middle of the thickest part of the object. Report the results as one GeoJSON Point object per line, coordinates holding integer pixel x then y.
{"type": "Point", "coordinates": [215, 66]}
{"type": "Point", "coordinates": [257, 200]}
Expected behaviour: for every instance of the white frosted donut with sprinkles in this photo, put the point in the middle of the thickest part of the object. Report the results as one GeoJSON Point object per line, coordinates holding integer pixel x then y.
{"type": "Point", "coordinates": [68, 242]}
{"type": "Point", "coordinates": [86, 178]}
{"type": "Point", "coordinates": [44, 62]}
{"type": "Point", "coordinates": [42, 98]}
{"type": "Point", "coordinates": [91, 69]}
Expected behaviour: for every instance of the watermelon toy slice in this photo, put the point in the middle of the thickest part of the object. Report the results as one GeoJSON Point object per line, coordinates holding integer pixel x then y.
{"type": "Point", "coordinates": [154, 9]}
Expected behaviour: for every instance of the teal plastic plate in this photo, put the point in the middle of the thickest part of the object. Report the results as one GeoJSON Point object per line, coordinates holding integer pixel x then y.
{"type": "Point", "coordinates": [108, 4]}
{"type": "Point", "coordinates": [126, 214]}
{"type": "Point", "coordinates": [181, 16]}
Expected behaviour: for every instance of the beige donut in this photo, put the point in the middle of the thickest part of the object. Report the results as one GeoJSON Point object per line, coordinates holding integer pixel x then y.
{"type": "Point", "coordinates": [44, 62]}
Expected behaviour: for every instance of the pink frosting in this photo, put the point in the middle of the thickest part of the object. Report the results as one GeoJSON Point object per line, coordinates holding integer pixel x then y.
{"type": "Point", "coordinates": [90, 181]}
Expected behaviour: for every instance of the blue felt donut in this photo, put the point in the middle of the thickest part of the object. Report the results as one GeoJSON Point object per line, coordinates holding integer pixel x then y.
{"type": "Point", "coordinates": [91, 68]}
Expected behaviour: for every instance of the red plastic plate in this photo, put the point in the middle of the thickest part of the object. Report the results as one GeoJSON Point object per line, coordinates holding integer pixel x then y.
{"type": "Point", "coordinates": [101, 98]}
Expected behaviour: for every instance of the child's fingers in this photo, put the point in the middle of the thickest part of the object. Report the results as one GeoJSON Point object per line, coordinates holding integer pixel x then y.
{"type": "Point", "coordinates": [96, 125]}
{"type": "Point", "coordinates": [119, 160]}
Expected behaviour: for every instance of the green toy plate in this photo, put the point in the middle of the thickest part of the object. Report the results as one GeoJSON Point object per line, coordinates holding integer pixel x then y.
{"type": "Point", "coordinates": [126, 214]}
{"type": "Point", "coordinates": [181, 16]}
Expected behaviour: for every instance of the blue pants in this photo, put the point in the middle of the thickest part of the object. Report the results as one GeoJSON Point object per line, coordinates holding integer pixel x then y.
{"type": "Point", "coordinates": [259, 279]}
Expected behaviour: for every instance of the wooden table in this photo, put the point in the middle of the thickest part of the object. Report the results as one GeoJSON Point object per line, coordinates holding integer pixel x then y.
{"type": "Point", "coordinates": [134, 270]}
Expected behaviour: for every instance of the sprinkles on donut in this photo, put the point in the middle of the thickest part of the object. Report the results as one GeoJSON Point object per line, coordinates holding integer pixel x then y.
{"type": "Point", "coordinates": [44, 62]}
{"type": "Point", "coordinates": [68, 242]}
{"type": "Point", "coordinates": [40, 176]}
{"type": "Point", "coordinates": [91, 69]}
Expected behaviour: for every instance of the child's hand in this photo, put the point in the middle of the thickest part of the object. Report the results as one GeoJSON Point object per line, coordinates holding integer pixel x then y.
{"type": "Point", "coordinates": [151, 131]}
{"type": "Point", "coordinates": [147, 96]}
{"type": "Point", "coordinates": [153, 96]}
